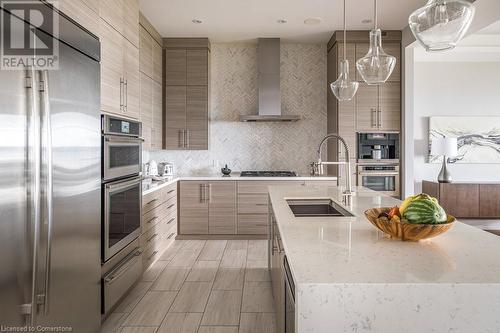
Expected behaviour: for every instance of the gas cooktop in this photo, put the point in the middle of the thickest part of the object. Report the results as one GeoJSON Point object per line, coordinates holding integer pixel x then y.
{"type": "Point", "coordinates": [268, 174]}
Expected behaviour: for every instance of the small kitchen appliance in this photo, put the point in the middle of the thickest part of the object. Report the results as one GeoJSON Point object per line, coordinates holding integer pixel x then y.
{"type": "Point", "coordinates": [165, 169]}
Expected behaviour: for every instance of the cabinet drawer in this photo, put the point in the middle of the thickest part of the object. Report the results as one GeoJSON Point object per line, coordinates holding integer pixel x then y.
{"type": "Point", "coordinates": [170, 191]}
{"type": "Point", "coordinates": [152, 235]}
{"type": "Point", "coordinates": [253, 187]}
{"type": "Point", "coordinates": [252, 204]}
{"type": "Point", "coordinates": [158, 214]}
{"type": "Point", "coordinates": [151, 254]}
{"type": "Point", "coordinates": [261, 187]}
{"type": "Point", "coordinates": [169, 223]}
{"type": "Point", "coordinates": [152, 200]}
{"type": "Point", "coordinates": [252, 224]}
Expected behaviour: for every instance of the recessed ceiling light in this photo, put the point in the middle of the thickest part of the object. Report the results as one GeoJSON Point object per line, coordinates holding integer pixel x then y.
{"type": "Point", "coordinates": [282, 21]}
{"type": "Point", "coordinates": [196, 21]}
{"type": "Point", "coordinates": [366, 21]}
{"type": "Point", "coordinates": [313, 20]}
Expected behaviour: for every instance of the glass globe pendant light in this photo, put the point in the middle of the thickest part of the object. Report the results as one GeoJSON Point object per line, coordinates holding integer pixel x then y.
{"type": "Point", "coordinates": [376, 66]}
{"type": "Point", "coordinates": [344, 88]}
{"type": "Point", "coordinates": [441, 24]}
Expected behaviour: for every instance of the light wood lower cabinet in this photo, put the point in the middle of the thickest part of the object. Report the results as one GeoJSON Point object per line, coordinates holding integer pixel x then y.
{"type": "Point", "coordinates": [207, 208]}
{"type": "Point", "coordinates": [193, 205]}
{"type": "Point", "coordinates": [222, 208]}
{"type": "Point", "coordinates": [226, 207]}
{"type": "Point", "coordinates": [159, 223]}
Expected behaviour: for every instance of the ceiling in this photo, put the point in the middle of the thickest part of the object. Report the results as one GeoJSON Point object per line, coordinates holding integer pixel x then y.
{"type": "Point", "coordinates": [245, 20]}
{"type": "Point", "coordinates": [493, 29]}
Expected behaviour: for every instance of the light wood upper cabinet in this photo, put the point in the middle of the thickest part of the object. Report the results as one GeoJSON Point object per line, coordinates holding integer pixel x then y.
{"type": "Point", "coordinates": [146, 52]}
{"type": "Point", "coordinates": [83, 12]}
{"type": "Point", "coordinates": [157, 62]}
{"type": "Point", "coordinates": [120, 81]}
{"type": "Point", "coordinates": [389, 108]}
{"type": "Point", "coordinates": [197, 117]}
{"type": "Point", "coordinates": [175, 117]}
{"type": "Point", "coordinates": [378, 108]}
{"type": "Point", "coordinates": [175, 67]}
{"type": "Point", "coordinates": [193, 208]}
{"type": "Point", "coordinates": [123, 16]}
{"type": "Point", "coordinates": [151, 113]}
{"type": "Point", "coordinates": [132, 80]}
{"type": "Point", "coordinates": [157, 128]}
{"type": "Point", "coordinates": [112, 59]}
{"type": "Point", "coordinates": [222, 208]}
{"type": "Point", "coordinates": [197, 67]}
{"type": "Point", "coordinates": [146, 110]}
{"type": "Point", "coordinates": [187, 65]}
{"type": "Point", "coordinates": [366, 108]}
{"type": "Point", "coordinates": [131, 21]}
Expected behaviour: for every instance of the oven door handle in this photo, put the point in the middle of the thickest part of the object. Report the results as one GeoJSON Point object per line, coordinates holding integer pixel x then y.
{"type": "Point", "coordinates": [364, 173]}
{"type": "Point", "coordinates": [123, 139]}
{"type": "Point", "coordinates": [124, 183]}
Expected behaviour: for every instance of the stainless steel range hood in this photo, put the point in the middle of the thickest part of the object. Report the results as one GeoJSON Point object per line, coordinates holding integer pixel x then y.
{"type": "Point", "coordinates": [269, 84]}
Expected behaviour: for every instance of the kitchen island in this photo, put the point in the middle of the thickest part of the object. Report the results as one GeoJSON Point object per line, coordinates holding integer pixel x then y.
{"type": "Point", "coordinates": [349, 277]}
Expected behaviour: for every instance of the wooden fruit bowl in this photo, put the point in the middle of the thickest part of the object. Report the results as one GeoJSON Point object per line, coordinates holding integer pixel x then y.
{"type": "Point", "coordinates": [407, 231]}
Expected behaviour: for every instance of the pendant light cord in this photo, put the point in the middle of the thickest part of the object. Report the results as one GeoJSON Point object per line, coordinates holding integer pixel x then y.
{"type": "Point", "coordinates": [375, 15]}
{"type": "Point", "coordinates": [345, 35]}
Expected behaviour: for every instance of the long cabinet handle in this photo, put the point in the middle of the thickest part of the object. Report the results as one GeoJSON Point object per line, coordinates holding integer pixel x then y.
{"type": "Point", "coordinates": [202, 193]}
{"type": "Point", "coordinates": [126, 95]}
{"type": "Point", "coordinates": [152, 254]}
{"type": "Point", "coordinates": [151, 220]}
{"type": "Point", "coordinates": [188, 138]}
{"type": "Point", "coordinates": [182, 139]}
{"type": "Point", "coordinates": [121, 94]}
{"type": "Point", "coordinates": [379, 117]}
{"type": "Point", "coordinates": [123, 267]}
{"type": "Point", "coordinates": [209, 192]}
{"type": "Point", "coordinates": [152, 237]}
{"type": "Point", "coordinates": [374, 117]}
{"type": "Point", "coordinates": [47, 156]}
{"type": "Point", "coordinates": [34, 183]}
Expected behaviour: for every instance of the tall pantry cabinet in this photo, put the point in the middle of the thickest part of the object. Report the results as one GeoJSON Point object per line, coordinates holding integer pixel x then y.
{"type": "Point", "coordinates": [374, 108]}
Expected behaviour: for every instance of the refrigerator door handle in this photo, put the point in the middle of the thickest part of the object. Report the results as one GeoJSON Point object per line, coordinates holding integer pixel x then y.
{"type": "Point", "coordinates": [47, 162]}
{"type": "Point", "coordinates": [34, 152]}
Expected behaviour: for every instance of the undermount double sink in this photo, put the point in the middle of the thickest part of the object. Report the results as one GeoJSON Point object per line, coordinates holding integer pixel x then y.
{"type": "Point", "coordinates": [317, 208]}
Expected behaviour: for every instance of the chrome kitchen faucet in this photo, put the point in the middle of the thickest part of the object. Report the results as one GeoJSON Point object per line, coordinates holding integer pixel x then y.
{"type": "Point", "coordinates": [317, 168]}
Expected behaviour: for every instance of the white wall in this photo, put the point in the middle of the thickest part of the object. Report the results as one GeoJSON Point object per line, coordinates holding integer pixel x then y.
{"type": "Point", "coordinates": [452, 89]}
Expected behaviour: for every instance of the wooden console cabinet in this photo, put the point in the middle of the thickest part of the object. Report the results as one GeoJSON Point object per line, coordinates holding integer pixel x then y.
{"type": "Point", "coordinates": [466, 200]}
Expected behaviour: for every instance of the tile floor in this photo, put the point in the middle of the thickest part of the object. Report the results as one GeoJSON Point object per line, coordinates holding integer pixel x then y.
{"type": "Point", "coordinates": [201, 287]}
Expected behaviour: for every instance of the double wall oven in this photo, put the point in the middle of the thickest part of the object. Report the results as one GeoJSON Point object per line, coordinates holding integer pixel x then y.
{"type": "Point", "coordinates": [121, 183]}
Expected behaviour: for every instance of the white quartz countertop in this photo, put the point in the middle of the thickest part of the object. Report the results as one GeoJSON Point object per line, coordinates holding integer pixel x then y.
{"type": "Point", "coordinates": [151, 186]}
{"type": "Point", "coordinates": [336, 251]}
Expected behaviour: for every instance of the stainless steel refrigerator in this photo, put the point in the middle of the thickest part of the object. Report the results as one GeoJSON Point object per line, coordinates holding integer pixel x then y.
{"type": "Point", "coordinates": [50, 165]}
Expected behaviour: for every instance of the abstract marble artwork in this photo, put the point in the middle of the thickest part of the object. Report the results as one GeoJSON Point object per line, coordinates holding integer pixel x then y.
{"type": "Point", "coordinates": [478, 138]}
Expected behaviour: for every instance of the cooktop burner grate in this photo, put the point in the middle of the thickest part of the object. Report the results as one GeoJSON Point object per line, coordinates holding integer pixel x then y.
{"type": "Point", "coordinates": [268, 174]}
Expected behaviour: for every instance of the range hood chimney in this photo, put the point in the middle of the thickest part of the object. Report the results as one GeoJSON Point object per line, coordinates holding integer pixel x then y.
{"type": "Point", "coordinates": [269, 84]}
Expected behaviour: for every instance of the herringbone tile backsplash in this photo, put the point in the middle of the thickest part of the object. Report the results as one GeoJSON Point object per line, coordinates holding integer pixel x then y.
{"type": "Point", "coordinates": [259, 146]}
